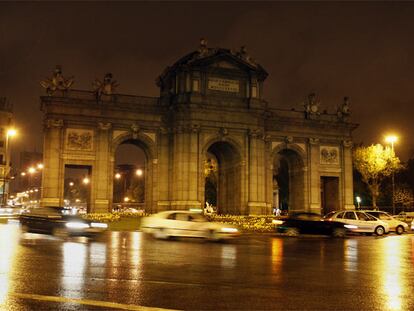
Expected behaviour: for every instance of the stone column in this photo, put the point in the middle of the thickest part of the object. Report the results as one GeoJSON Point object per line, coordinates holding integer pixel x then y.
{"type": "Point", "coordinates": [185, 169]}
{"type": "Point", "coordinates": [314, 176]}
{"type": "Point", "coordinates": [52, 177]}
{"type": "Point", "coordinates": [164, 160]}
{"type": "Point", "coordinates": [257, 175]}
{"type": "Point", "coordinates": [102, 175]}
{"type": "Point", "coordinates": [348, 186]}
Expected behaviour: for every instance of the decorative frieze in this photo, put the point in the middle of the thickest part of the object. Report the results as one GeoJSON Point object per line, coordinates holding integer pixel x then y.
{"type": "Point", "coordinates": [79, 139]}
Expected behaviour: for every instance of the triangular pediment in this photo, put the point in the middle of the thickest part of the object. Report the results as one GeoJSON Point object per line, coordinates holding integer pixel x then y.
{"type": "Point", "coordinates": [225, 64]}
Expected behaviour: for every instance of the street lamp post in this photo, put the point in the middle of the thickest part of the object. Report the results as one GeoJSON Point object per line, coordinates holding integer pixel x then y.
{"type": "Point", "coordinates": [392, 139]}
{"type": "Point", "coordinates": [6, 171]}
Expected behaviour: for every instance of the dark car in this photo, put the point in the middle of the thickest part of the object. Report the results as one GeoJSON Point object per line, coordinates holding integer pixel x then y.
{"type": "Point", "coordinates": [309, 223]}
{"type": "Point", "coordinates": [59, 222]}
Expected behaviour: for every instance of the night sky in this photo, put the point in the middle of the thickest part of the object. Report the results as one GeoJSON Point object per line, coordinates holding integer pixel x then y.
{"type": "Point", "coordinates": [361, 50]}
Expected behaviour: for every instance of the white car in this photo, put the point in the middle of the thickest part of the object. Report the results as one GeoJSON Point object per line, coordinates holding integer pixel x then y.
{"type": "Point", "coordinates": [361, 222]}
{"type": "Point", "coordinates": [395, 225]}
{"type": "Point", "coordinates": [164, 225]}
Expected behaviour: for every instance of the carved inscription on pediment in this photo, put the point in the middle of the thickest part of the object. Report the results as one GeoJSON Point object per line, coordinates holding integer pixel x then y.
{"type": "Point", "coordinates": [77, 139]}
{"type": "Point", "coordinates": [223, 85]}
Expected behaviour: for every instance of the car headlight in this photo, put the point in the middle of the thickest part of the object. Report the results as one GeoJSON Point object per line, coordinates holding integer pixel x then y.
{"type": "Point", "coordinates": [99, 225]}
{"type": "Point", "coordinates": [76, 225]}
{"type": "Point", "coordinates": [351, 226]}
{"type": "Point", "coordinates": [229, 230]}
{"type": "Point", "coordinates": [277, 221]}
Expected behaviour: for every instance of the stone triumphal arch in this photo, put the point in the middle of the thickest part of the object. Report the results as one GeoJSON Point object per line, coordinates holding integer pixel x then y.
{"type": "Point", "coordinates": [210, 119]}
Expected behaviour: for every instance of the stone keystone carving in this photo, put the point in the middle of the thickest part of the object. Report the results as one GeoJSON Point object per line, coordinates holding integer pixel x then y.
{"type": "Point", "coordinates": [288, 139]}
{"type": "Point", "coordinates": [106, 87]}
{"type": "Point", "coordinates": [135, 130]}
{"type": "Point", "coordinates": [57, 82]}
{"type": "Point", "coordinates": [223, 132]}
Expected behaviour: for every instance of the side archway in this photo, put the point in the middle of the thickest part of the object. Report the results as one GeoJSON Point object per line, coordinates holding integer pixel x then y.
{"type": "Point", "coordinates": [133, 178]}
{"type": "Point", "coordinates": [289, 178]}
{"type": "Point", "coordinates": [222, 176]}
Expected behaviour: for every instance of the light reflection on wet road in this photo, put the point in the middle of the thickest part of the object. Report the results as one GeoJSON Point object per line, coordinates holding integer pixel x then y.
{"type": "Point", "coordinates": [124, 270]}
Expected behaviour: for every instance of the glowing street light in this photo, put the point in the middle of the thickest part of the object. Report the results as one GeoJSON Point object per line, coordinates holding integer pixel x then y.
{"type": "Point", "coordinates": [391, 139]}
{"type": "Point", "coordinates": [10, 133]}
{"type": "Point", "coordinates": [40, 166]}
{"type": "Point", "coordinates": [71, 184]}
{"type": "Point", "coordinates": [31, 170]}
{"type": "Point", "coordinates": [86, 180]}
{"type": "Point", "coordinates": [126, 199]}
{"type": "Point", "coordinates": [139, 172]}
{"type": "Point", "coordinates": [358, 199]}
{"type": "Point", "coordinates": [117, 176]}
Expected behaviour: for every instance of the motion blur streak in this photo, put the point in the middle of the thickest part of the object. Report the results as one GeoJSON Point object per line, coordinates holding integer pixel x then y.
{"type": "Point", "coordinates": [8, 243]}
{"type": "Point", "coordinates": [392, 268]}
{"type": "Point", "coordinates": [74, 257]}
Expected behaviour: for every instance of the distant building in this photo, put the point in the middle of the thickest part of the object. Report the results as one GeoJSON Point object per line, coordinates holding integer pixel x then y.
{"type": "Point", "coordinates": [6, 122]}
{"type": "Point", "coordinates": [25, 179]}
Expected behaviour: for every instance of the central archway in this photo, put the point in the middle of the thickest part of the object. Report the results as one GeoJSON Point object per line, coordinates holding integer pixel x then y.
{"type": "Point", "coordinates": [222, 177]}
{"type": "Point", "coordinates": [132, 173]}
{"type": "Point", "coordinates": [288, 181]}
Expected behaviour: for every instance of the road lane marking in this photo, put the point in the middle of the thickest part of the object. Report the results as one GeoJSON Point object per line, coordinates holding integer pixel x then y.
{"type": "Point", "coordinates": [97, 303]}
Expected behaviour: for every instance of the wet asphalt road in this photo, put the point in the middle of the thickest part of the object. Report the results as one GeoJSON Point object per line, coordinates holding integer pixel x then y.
{"type": "Point", "coordinates": [130, 271]}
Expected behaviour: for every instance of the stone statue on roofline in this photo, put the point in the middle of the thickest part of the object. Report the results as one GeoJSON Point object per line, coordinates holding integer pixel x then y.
{"type": "Point", "coordinates": [343, 110]}
{"type": "Point", "coordinates": [245, 56]}
{"type": "Point", "coordinates": [105, 87]}
{"type": "Point", "coordinates": [57, 82]}
{"type": "Point", "coordinates": [312, 106]}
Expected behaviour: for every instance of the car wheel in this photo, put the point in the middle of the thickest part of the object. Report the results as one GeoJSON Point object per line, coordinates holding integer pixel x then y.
{"type": "Point", "coordinates": [25, 228]}
{"type": "Point", "coordinates": [161, 234]}
{"type": "Point", "coordinates": [211, 235]}
{"type": "Point", "coordinates": [60, 232]}
{"type": "Point", "coordinates": [292, 232]}
{"type": "Point", "coordinates": [339, 233]}
{"type": "Point", "coordinates": [399, 230]}
{"type": "Point", "coordinates": [379, 230]}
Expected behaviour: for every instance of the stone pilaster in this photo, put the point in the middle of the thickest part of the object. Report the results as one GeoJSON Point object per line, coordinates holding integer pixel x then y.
{"type": "Point", "coordinates": [257, 174]}
{"type": "Point", "coordinates": [52, 177]}
{"type": "Point", "coordinates": [185, 167]}
{"type": "Point", "coordinates": [314, 176]}
{"type": "Point", "coordinates": [102, 173]}
{"type": "Point", "coordinates": [348, 191]}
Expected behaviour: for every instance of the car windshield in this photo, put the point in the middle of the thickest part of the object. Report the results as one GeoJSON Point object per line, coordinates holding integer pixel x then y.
{"type": "Point", "coordinates": [329, 215]}
{"type": "Point", "coordinates": [197, 217]}
{"type": "Point", "coordinates": [313, 217]}
{"type": "Point", "coordinates": [381, 216]}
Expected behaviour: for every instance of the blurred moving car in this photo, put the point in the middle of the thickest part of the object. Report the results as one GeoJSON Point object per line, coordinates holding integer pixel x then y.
{"type": "Point", "coordinates": [396, 225]}
{"type": "Point", "coordinates": [167, 224]}
{"type": "Point", "coordinates": [310, 223]}
{"type": "Point", "coordinates": [406, 217]}
{"type": "Point", "coordinates": [60, 222]}
{"type": "Point", "coordinates": [361, 222]}
{"type": "Point", "coordinates": [11, 211]}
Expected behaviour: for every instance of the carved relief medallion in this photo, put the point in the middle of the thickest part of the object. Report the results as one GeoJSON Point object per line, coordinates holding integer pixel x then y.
{"type": "Point", "coordinates": [77, 139]}
{"type": "Point", "coordinates": [329, 155]}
